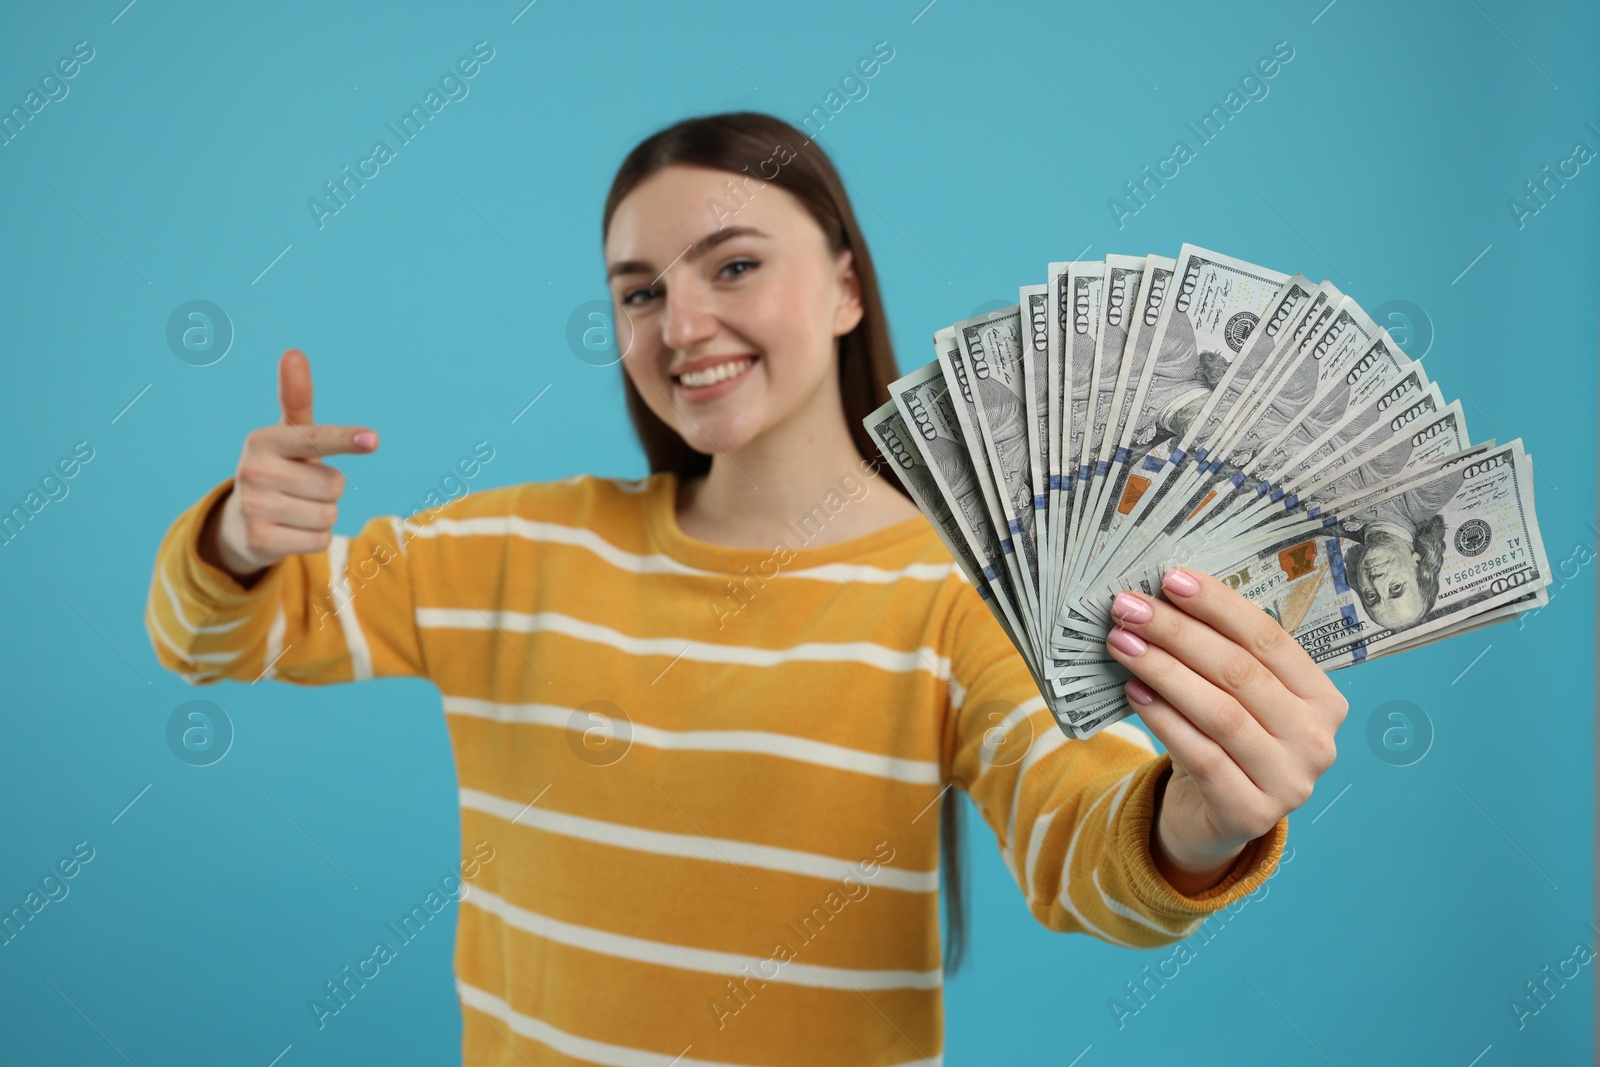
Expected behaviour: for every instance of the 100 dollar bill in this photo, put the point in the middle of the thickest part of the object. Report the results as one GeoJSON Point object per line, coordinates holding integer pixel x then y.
{"type": "Point", "coordinates": [1416, 556]}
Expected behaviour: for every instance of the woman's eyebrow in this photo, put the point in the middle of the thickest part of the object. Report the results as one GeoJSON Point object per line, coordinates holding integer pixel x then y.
{"type": "Point", "coordinates": [692, 252]}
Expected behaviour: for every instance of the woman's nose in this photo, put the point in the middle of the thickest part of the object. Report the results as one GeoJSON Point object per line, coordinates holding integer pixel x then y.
{"type": "Point", "coordinates": [688, 319]}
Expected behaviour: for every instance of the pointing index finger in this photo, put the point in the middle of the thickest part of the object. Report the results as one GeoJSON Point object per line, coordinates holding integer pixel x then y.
{"type": "Point", "coordinates": [314, 443]}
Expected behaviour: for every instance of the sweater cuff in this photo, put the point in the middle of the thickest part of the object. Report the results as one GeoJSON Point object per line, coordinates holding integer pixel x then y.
{"type": "Point", "coordinates": [217, 587]}
{"type": "Point", "coordinates": [1253, 866]}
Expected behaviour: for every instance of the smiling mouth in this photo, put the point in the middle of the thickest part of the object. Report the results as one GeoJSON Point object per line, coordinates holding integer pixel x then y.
{"type": "Point", "coordinates": [707, 376]}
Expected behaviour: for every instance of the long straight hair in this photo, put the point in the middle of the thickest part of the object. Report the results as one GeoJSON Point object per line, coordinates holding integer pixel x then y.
{"type": "Point", "coordinates": [741, 142]}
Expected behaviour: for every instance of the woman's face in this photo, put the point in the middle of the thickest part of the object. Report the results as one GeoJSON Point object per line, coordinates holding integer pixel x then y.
{"type": "Point", "coordinates": [1388, 584]}
{"type": "Point", "coordinates": [700, 283]}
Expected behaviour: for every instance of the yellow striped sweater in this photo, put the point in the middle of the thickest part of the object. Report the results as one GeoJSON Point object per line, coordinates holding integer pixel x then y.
{"type": "Point", "coordinates": [709, 774]}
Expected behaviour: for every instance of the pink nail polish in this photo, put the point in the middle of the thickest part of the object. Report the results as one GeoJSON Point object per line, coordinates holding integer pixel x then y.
{"type": "Point", "coordinates": [1138, 692]}
{"type": "Point", "coordinates": [1176, 581]}
{"type": "Point", "coordinates": [1130, 608]}
{"type": "Point", "coordinates": [1126, 641]}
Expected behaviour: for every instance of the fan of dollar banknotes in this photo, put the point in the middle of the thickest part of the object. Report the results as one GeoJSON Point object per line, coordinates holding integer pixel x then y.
{"type": "Point", "coordinates": [1140, 412]}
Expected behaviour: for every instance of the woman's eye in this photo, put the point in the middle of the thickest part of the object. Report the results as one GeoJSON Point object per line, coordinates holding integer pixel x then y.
{"type": "Point", "coordinates": [738, 263]}
{"type": "Point", "coordinates": [628, 298]}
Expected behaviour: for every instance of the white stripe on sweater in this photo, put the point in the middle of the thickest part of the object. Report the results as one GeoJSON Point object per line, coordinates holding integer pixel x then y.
{"type": "Point", "coordinates": [693, 846]}
{"type": "Point", "coordinates": [602, 1052]}
{"type": "Point", "coordinates": [1041, 827]}
{"type": "Point", "coordinates": [1041, 746]}
{"type": "Point", "coordinates": [154, 625]}
{"type": "Point", "coordinates": [760, 742]}
{"type": "Point", "coordinates": [344, 607]}
{"type": "Point", "coordinates": [1064, 898]}
{"type": "Point", "coordinates": [1116, 907]}
{"type": "Point", "coordinates": [685, 957]}
{"type": "Point", "coordinates": [183, 620]}
{"type": "Point", "coordinates": [523, 622]}
{"type": "Point", "coordinates": [656, 563]}
{"type": "Point", "coordinates": [269, 665]}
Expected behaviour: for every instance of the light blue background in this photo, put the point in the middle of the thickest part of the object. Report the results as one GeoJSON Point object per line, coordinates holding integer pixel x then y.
{"type": "Point", "coordinates": [1418, 901]}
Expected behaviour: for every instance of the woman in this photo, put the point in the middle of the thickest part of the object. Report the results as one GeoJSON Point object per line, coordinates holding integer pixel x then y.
{"type": "Point", "coordinates": [712, 829]}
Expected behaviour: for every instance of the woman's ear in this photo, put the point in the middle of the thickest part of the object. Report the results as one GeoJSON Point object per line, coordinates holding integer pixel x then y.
{"type": "Point", "coordinates": [849, 312]}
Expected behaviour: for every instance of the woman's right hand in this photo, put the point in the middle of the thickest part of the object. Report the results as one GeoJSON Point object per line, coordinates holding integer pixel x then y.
{"type": "Point", "coordinates": [284, 500]}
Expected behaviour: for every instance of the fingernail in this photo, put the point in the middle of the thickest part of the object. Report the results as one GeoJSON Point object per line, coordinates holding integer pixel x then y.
{"type": "Point", "coordinates": [1130, 608]}
{"type": "Point", "coordinates": [366, 439]}
{"type": "Point", "coordinates": [1126, 641]}
{"type": "Point", "coordinates": [1176, 581]}
{"type": "Point", "coordinates": [1138, 692]}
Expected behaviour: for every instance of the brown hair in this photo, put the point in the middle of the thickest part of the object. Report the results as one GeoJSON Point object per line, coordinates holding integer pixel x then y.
{"type": "Point", "coordinates": [737, 141]}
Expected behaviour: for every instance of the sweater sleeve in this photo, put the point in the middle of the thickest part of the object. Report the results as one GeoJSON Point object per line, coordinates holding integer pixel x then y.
{"type": "Point", "coordinates": [1072, 817]}
{"type": "Point", "coordinates": [343, 614]}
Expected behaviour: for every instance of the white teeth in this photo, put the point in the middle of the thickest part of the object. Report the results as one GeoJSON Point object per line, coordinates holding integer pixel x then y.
{"type": "Point", "coordinates": [713, 375]}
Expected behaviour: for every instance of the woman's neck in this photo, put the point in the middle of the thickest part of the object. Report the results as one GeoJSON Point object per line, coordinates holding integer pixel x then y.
{"type": "Point", "coordinates": [804, 475]}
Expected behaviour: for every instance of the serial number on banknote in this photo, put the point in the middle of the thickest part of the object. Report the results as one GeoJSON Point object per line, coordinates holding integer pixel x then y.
{"type": "Point", "coordinates": [1486, 565]}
